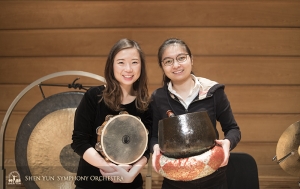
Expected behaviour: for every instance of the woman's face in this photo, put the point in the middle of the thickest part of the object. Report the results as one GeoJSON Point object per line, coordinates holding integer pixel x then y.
{"type": "Point", "coordinates": [181, 68]}
{"type": "Point", "coordinates": [127, 66]}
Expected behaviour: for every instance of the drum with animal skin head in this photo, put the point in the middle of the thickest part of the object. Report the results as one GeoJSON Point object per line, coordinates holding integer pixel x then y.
{"type": "Point", "coordinates": [122, 139]}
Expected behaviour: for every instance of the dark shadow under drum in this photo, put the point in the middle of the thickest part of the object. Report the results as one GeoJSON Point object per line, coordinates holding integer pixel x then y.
{"type": "Point", "coordinates": [42, 150]}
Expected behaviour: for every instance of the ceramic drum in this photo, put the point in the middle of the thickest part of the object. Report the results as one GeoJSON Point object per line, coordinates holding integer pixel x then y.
{"type": "Point", "coordinates": [122, 139]}
{"type": "Point", "coordinates": [187, 144]}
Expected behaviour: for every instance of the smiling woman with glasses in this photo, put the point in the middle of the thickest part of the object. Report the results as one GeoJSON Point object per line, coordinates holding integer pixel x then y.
{"type": "Point", "coordinates": [184, 93]}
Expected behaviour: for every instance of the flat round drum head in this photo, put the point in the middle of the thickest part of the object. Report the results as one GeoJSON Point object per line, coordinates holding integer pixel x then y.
{"type": "Point", "coordinates": [44, 157]}
{"type": "Point", "coordinates": [124, 139]}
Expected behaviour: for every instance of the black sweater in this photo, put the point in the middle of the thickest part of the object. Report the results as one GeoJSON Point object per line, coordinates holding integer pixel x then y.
{"type": "Point", "coordinates": [89, 115]}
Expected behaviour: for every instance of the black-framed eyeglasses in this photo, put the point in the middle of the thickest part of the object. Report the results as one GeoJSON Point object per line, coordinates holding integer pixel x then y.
{"type": "Point", "coordinates": [181, 58]}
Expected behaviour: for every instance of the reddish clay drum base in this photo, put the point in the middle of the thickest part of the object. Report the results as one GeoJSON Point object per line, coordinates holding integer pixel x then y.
{"type": "Point", "coordinates": [191, 168]}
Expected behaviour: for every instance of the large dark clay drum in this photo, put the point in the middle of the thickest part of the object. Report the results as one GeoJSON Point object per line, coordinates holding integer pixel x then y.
{"type": "Point", "coordinates": [186, 135]}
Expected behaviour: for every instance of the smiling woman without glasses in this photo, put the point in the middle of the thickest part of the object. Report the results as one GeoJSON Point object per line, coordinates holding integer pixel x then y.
{"type": "Point", "coordinates": [185, 93]}
{"type": "Point", "coordinates": [125, 90]}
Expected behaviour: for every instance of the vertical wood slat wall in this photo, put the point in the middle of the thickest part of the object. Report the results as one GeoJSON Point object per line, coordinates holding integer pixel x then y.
{"type": "Point", "coordinates": [253, 47]}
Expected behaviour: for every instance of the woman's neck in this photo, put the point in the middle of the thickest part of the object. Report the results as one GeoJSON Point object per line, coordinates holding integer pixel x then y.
{"type": "Point", "coordinates": [184, 88]}
{"type": "Point", "coordinates": [127, 95]}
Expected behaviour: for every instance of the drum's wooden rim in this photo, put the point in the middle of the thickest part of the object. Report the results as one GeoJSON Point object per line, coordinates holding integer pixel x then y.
{"type": "Point", "coordinates": [107, 124]}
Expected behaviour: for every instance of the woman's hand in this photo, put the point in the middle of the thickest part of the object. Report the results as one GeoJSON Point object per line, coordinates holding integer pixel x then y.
{"type": "Point", "coordinates": [125, 167]}
{"type": "Point", "coordinates": [125, 173]}
{"type": "Point", "coordinates": [226, 147]}
{"type": "Point", "coordinates": [93, 157]}
{"type": "Point", "coordinates": [119, 175]}
{"type": "Point", "coordinates": [156, 152]}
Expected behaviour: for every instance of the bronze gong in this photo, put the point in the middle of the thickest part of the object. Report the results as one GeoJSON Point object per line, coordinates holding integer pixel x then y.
{"type": "Point", "coordinates": [288, 150]}
{"type": "Point", "coordinates": [186, 135]}
{"type": "Point", "coordinates": [43, 154]}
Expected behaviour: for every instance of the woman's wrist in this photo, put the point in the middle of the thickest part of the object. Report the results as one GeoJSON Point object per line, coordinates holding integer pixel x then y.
{"type": "Point", "coordinates": [155, 147]}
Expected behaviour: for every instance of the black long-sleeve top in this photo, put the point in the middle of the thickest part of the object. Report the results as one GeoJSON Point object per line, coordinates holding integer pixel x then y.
{"type": "Point", "coordinates": [88, 116]}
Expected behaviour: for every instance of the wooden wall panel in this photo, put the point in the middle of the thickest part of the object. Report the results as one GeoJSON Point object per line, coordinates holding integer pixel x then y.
{"type": "Point", "coordinates": [262, 127]}
{"type": "Point", "coordinates": [13, 124]}
{"type": "Point", "coordinates": [9, 152]}
{"type": "Point", "coordinates": [13, 69]}
{"type": "Point", "coordinates": [202, 41]}
{"type": "Point", "coordinates": [223, 69]}
{"type": "Point", "coordinates": [30, 99]}
{"type": "Point", "coordinates": [243, 99]}
{"type": "Point", "coordinates": [262, 152]}
{"type": "Point", "coordinates": [73, 14]}
{"type": "Point", "coordinates": [264, 99]}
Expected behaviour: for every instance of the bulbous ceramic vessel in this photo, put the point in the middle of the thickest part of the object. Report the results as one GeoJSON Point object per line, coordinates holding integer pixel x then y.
{"type": "Point", "coordinates": [186, 135]}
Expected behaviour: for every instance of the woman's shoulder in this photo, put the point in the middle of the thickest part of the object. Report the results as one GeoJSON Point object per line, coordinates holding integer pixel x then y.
{"type": "Point", "coordinates": [157, 92]}
{"type": "Point", "coordinates": [206, 82]}
{"type": "Point", "coordinates": [209, 85]}
{"type": "Point", "coordinates": [97, 90]}
{"type": "Point", "coordinates": [94, 93]}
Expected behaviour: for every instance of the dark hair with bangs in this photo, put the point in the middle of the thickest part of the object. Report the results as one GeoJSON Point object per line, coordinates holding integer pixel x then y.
{"type": "Point", "coordinates": [112, 94]}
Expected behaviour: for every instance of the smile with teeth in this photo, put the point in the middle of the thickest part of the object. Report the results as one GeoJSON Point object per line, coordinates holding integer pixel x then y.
{"type": "Point", "coordinates": [128, 76]}
{"type": "Point", "coordinates": [178, 71]}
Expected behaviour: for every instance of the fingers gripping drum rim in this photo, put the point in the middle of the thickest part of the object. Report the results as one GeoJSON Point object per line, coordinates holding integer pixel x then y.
{"type": "Point", "coordinates": [122, 139]}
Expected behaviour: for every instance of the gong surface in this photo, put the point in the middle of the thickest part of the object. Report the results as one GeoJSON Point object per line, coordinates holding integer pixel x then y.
{"type": "Point", "coordinates": [44, 157]}
{"type": "Point", "coordinates": [288, 143]}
